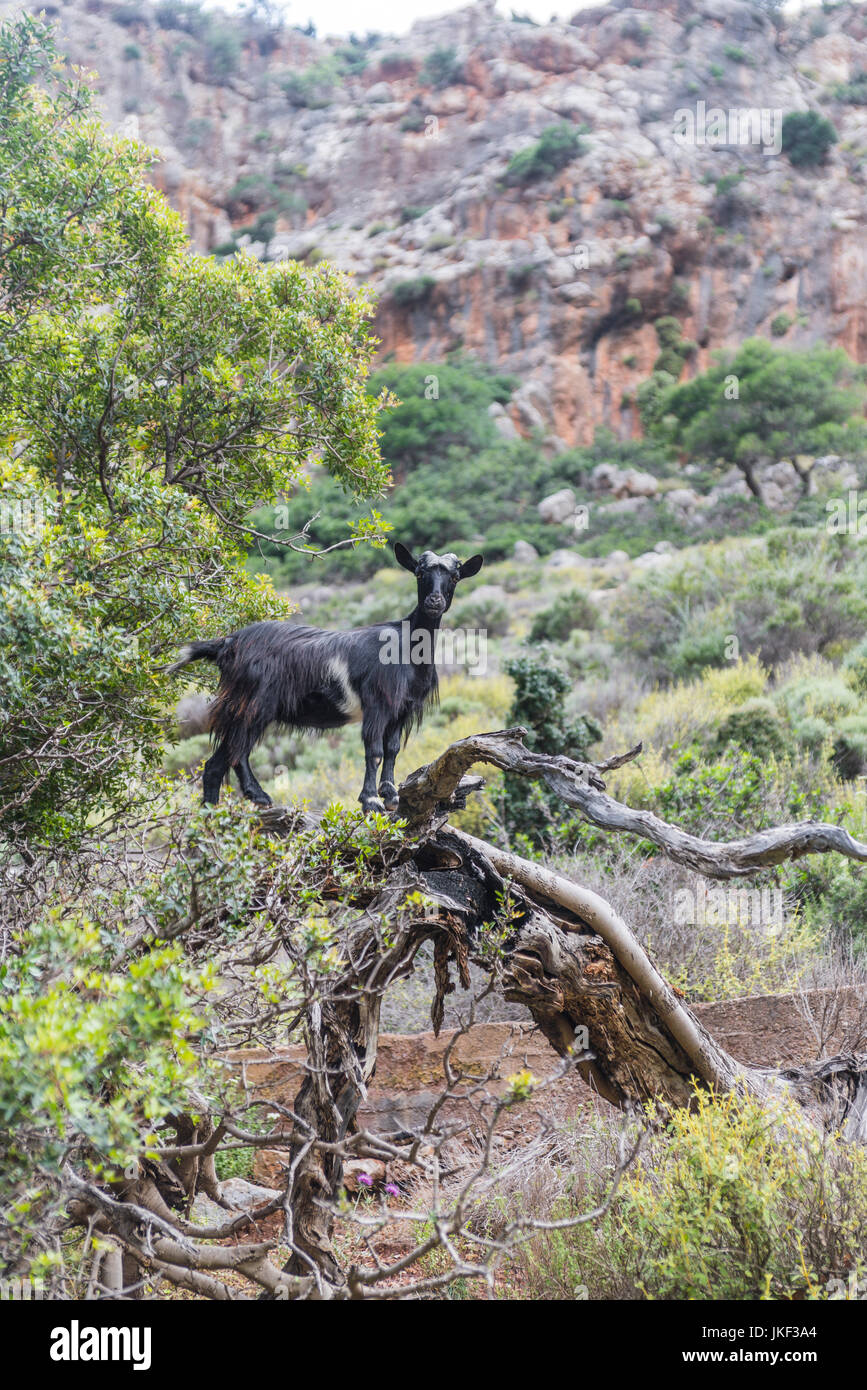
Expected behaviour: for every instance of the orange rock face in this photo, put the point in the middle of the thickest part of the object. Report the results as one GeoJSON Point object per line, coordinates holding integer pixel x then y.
{"type": "Point", "coordinates": [393, 162]}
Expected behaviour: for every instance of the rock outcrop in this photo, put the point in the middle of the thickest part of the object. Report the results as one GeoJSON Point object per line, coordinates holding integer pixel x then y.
{"type": "Point", "coordinates": [391, 159]}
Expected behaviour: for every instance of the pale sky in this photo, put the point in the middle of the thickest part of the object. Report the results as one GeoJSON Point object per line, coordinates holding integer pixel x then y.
{"type": "Point", "coordinates": [342, 17]}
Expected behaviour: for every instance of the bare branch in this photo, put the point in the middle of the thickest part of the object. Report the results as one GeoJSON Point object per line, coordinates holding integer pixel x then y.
{"type": "Point", "coordinates": [428, 791]}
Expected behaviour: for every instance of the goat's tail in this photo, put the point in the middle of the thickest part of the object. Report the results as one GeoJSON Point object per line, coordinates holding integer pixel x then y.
{"type": "Point", "coordinates": [211, 650]}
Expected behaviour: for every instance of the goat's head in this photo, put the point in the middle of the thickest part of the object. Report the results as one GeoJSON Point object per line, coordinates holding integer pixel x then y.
{"type": "Point", "coordinates": [436, 576]}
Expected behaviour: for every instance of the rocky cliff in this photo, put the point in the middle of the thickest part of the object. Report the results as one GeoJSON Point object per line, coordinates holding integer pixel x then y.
{"type": "Point", "coordinates": [392, 158]}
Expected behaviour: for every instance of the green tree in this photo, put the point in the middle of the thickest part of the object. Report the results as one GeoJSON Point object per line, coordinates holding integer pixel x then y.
{"type": "Point", "coordinates": [807, 138]}
{"type": "Point", "coordinates": [539, 705]}
{"type": "Point", "coordinates": [557, 146]}
{"type": "Point", "coordinates": [442, 68]}
{"type": "Point", "coordinates": [762, 404]}
{"type": "Point", "coordinates": [149, 399]}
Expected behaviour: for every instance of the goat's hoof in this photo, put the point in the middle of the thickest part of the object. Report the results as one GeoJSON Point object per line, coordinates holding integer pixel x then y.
{"type": "Point", "coordinates": [263, 800]}
{"type": "Point", "coordinates": [372, 803]}
{"type": "Point", "coordinates": [388, 792]}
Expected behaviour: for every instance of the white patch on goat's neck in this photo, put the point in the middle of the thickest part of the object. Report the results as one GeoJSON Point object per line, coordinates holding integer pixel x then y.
{"type": "Point", "coordinates": [350, 703]}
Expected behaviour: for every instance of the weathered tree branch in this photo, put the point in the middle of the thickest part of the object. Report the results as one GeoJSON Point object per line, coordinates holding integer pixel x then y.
{"type": "Point", "coordinates": [710, 1062]}
{"type": "Point", "coordinates": [590, 986]}
{"type": "Point", "coordinates": [427, 794]}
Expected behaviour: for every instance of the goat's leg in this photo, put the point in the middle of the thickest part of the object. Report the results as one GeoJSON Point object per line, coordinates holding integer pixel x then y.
{"type": "Point", "coordinates": [248, 784]}
{"type": "Point", "coordinates": [371, 734]}
{"type": "Point", "coordinates": [387, 788]}
{"type": "Point", "coordinates": [216, 768]}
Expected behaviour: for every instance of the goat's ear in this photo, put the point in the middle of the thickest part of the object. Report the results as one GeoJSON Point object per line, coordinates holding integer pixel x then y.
{"type": "Point", "coordinates": [404, 557]}
{"type": "Point", "coordinates": [471, 566]}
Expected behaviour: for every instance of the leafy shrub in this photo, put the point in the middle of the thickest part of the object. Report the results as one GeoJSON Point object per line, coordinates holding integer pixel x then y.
{"type": "Point", "coordinates": [853, 92]}
{"type": "Point", "coordinates": [807, 138]}
{"type": "Point", "coordinates": [850, 746]}
{"type": "Point", "coordinates": [263, 228]}
{"type": "Point", "coordinates": [222, 51]}
{"type": "Point", "coordinates": [670, 361]}
{"type": "Point", "coordinates": [734, 794]}
{"type": "Point", "coordinates": [568, 611]}
{"type": "Point", "coordinates": [722, 1203]}
{"type": "Point", "coordinates": [196, 132]}
{"type": "Point", "coordinates": [668, 331]}
{"type": "Point", "coordinates": [732, 1212]}
{"type": "Point", "coordinates": [314, 87]}
{"type": "Point", "coordinates": [812, 733]}
{"type": "Point", "coordinates": [724, 797]}
{"type": "Point", "coordinates": [855, 667]}
{"type": "Point", "coordinates": [249, 192]}
{"type": "Point", "coordinates": [408, 293]}
{"type": "Point", "coordinates": [826, 696]}
{"type": "Point", "coordinates": [439, 241]}
{"type": "Point", "coordinates": [414, 120]}
{"type": "Point", "coordinates": [780, 325]}
{"type": "Point", "coordinates": [834, 896]}
{"type": "Point", "coordinates": [557, 146]}
{"type": "Point", "coordinates": [442, 68]}
{"type": "Point", "coordinates": [484, 611]}
{"type": "Point", "coordinates": [794, 592]}
{"type": "Point", "coordinates": [352, 58]}
{"type": "Point", "coordinates": [756, 726]}
{"type": "Point", "coordinates": [530, 809]}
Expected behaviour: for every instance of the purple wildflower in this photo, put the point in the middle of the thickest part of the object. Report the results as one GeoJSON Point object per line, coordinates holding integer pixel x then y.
{"type": "Point", "coordinates": [392, 1189]}
{"type": "Point", "coordinates": [365, 1179]}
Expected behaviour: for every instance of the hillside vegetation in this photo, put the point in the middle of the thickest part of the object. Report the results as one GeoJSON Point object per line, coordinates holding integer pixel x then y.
{"type": "Point", "coordinates": [196, 438]}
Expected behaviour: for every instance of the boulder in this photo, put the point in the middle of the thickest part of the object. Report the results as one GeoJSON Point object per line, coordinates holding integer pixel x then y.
{"type": "Point", "coordinates": [205, 1212]}
{"type": "Point", "coordinates": [238, 1192]}
{"type": "Point", "coordinates": [682, 499]}
{"type": "Point", "coordinates": [512, 77]}
{"type": "Point", "coordinates": [193, 713]}
{"type": "Point", "coordinates": [573, 101]}
{"type": "Point", "coordinates": [530, 416]}
{"type": "Point", "coordinates": [357, 1170]}
{"type": "Point", "coordinates": [566, 560]}
{"type": "Point", "coordinates": [577, 292]}
{"type": "Point", "coordinates": [525, 553]}
{"type": "Point", "coordinates": [546, 50]}
{"type": "Point", "coordinates": [637, 484]}
{"type": "Point", "coordinates": [558, 506]}
{"type": "Point", "coordinates": [503, 423]}
{"type": "Point", "coordinates": [651, 559]}
{"type": "Point", "coordinates": [624, 506]}
{"type": "Point", "coordinates": [450, 102]}
{"type": "Point", "coordinates": [616, 559]}
{"type": "Point", "coordinates": [605, 477]}
{"type": "Point", "coordinates": [774, 497]}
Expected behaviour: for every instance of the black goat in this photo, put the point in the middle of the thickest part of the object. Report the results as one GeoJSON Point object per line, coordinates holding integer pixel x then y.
{"type": "Point", "coordinates": [306, 678]}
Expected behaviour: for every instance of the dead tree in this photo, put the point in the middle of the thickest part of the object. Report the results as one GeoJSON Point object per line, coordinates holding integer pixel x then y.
{"type": "Point", "coordinates": [567, 956]}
